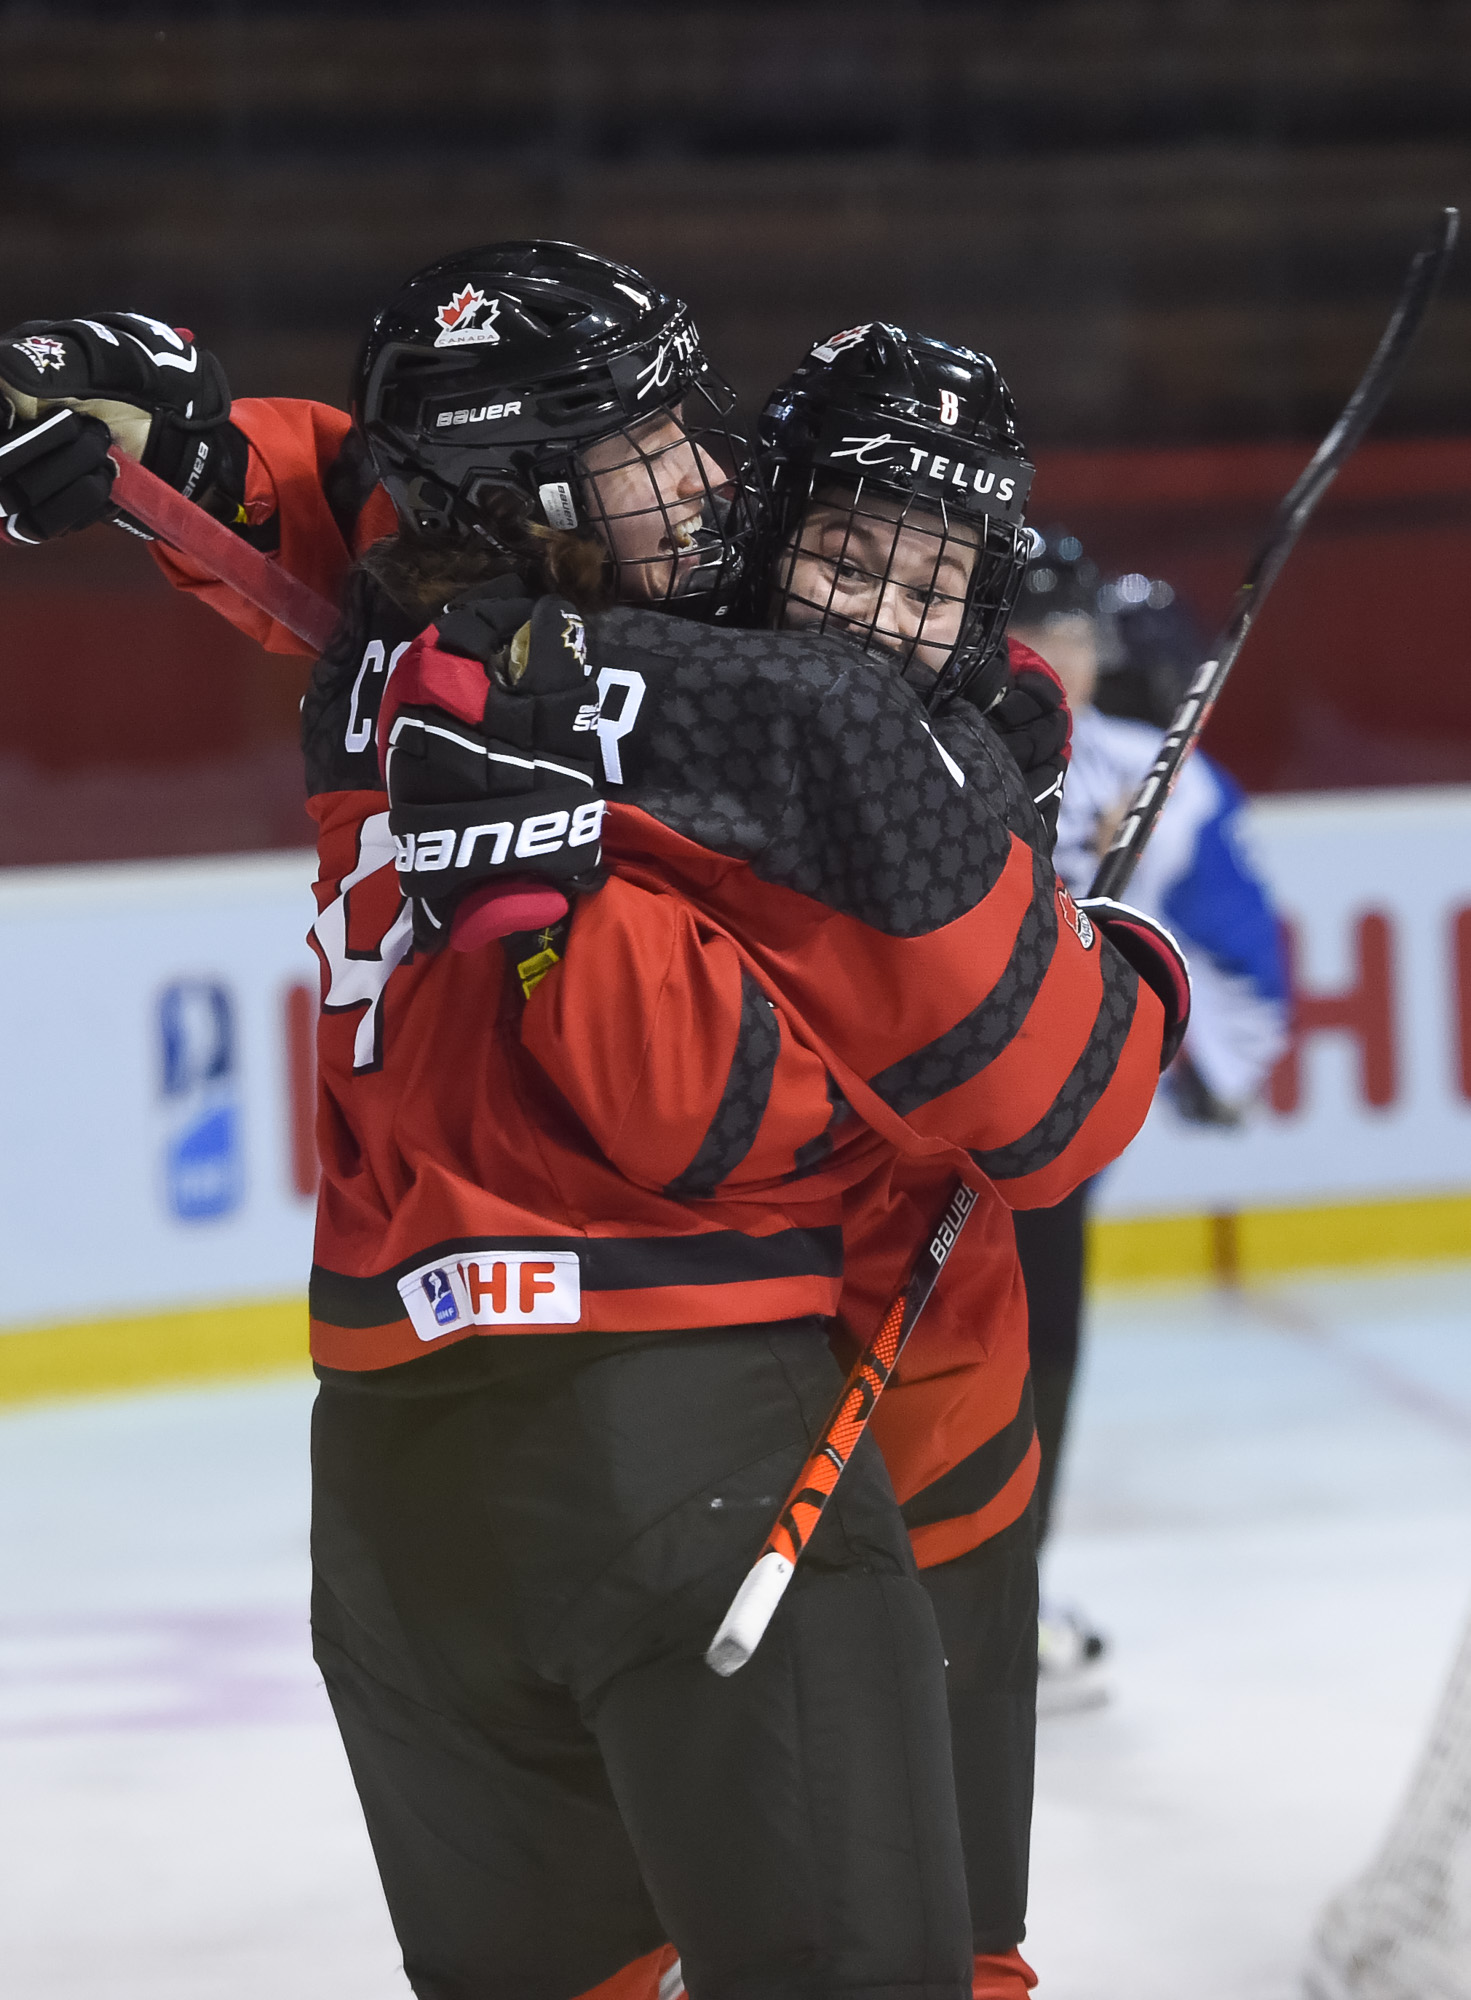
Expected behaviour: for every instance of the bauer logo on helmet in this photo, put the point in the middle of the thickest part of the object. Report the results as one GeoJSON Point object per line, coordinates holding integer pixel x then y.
{"type": "Point", "coordinates": [471, 413]}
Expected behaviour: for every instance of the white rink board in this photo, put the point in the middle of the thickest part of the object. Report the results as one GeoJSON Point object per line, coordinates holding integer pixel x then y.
{"type": "Point", "coordinates": [103, 966]}
{"type": "Point", "coordinates": [1330, 859]}
{"type": "Point", "coordinates": [93, 1222]}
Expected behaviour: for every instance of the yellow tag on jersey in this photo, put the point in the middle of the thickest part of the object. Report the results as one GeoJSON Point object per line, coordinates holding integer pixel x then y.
{"type": "Point", "coordinates": [532, 971]}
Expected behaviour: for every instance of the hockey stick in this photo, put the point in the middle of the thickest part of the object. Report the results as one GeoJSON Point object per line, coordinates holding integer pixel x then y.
{"type": "Point", "coordinates": [193, 533]}
{"type": "Point", "coordinates": [754, 1604]}
{"type": "Point", "coordinates": [210, 543]}
{"type": "Point", "coordinates": [1292, 516]}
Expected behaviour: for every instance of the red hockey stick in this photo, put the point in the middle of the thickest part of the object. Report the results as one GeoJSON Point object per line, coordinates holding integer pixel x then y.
{"type": "Point", "coordinates": [755, 1602]}
{"type": "Point", "coordinates": [210, 543]}
{"type": "Point", "coordinates": [486, 913]}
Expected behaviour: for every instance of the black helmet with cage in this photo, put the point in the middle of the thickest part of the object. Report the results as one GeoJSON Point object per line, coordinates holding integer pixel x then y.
{"type": "Point", "coordinates": [897, 486]}
{"type": "Point", "coordinates": [1159, 649]}
{"type": "Point", "coordinates": [541, 371]}
{"type": "Point", "coordinates": [1061, 581]}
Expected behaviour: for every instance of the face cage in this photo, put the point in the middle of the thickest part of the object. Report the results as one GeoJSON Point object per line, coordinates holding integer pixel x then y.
{"type": "Point", "coordinates": [670, 497]}
{"type": "Point", "coordinates": [880, 584]}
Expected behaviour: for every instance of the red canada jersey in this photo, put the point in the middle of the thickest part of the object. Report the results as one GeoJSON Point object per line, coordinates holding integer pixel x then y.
{"type": "Point", "coordinates": [829, 972]}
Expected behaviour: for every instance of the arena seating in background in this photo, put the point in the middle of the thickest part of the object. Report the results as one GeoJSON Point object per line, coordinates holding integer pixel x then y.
{"type": "Point", "coordinates": [1178, 228]}
{"type": "Point", "coordinates": [178, 735]}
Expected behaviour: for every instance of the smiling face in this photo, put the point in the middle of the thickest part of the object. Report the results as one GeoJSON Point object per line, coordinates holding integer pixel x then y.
{"type": "Point", "coordinates": [882, 571]}
{"type": "Point", "coordinates": [648, 491]}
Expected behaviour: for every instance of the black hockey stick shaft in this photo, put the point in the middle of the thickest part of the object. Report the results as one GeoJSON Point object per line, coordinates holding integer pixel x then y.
{"type": "Point", "coordinates": [754, 1604]}
{"type": "Point", "coordinates": [1292, 516]}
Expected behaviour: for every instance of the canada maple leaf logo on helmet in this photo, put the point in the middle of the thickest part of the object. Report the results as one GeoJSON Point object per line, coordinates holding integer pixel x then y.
{"type": "Point", "coordinates": [464, 305]}
{"type": "Point", "coordinates": [460, 320]}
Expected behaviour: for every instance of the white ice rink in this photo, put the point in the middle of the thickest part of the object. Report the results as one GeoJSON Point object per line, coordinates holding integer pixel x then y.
{"type": "Point", "coordinates": [1268, 1506]}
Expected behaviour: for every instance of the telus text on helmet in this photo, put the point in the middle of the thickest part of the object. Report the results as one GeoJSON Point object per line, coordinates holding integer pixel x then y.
{"type": "Point", "coordinates": [679, 347]}
{"type": "Point", "coordinates": [946, 471]}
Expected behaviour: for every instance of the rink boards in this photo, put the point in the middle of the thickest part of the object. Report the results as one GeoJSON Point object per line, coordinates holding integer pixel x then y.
{"type": "Point", "coordinates": [1373, 1102]}
{"type": "Point", "coordinates": [157, 1086]}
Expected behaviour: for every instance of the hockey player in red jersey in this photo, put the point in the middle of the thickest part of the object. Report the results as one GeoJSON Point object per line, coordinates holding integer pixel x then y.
{"type": "Point", "coordinates": [897, 486]}
{"type": "Point", "coordinates": [764, 932]}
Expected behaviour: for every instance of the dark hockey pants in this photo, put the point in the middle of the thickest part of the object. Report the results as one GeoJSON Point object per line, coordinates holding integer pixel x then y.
{"type": "Point", "coordinates": [986, 1606]}
{"type": "Point", "coordinates": [1051, 1243]}
{"type": "Point", "coordinates": [522, 1547]}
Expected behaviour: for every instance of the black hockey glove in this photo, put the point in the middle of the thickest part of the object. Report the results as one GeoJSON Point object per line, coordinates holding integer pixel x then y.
{"type": "Point", "coordinates": [55, 475]}
{"type": "Point", "coordinates": [1154, 955]}
{"type": "Point", "coordinates": [161, 397]}
{"type": "Point", "coordinates": [1033, 721]}
{"type": "Point", "coordinates": [488, 742]}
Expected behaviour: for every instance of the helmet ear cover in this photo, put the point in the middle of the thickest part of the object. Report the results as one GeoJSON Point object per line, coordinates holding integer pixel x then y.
{"type": "Point", "coordinates": [915, 441]}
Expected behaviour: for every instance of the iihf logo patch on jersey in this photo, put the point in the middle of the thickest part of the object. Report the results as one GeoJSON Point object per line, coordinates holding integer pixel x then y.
{"type": "Point", "coordinates": [441, 1296]}
{"type": "Point", "coordinates": [494, 1288]}
{"type": "Point", "coordinates": [42, 350]}
{"type": "Point", "coordinates": [460, 321]}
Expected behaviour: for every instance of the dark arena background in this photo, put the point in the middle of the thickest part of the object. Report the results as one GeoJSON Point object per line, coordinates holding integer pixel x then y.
{"type": "Point", "coordinates": [1180, 227]}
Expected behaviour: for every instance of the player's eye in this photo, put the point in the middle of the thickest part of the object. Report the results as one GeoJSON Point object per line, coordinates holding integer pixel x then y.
{"type": "Point", "coordinates": [844, 571]}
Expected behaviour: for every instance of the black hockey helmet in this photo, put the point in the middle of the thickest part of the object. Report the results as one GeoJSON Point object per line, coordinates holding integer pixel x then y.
{"type": "Point", "coordinates": [498, 370]}
{"type": "Point", "coordinates": [898, 488]}
{"type": "Point", "coordinates": [1061, 581]}
{"type": "Point", "coordinates": [1159, 651]}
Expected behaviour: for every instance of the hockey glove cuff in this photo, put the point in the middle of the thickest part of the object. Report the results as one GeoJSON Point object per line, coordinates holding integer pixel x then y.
{"type": "Point", "coordinates": [1154, 955]}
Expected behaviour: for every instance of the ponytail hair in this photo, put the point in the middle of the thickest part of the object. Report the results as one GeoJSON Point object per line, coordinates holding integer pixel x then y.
{"type": "Point", "coordinates": [422, 575]}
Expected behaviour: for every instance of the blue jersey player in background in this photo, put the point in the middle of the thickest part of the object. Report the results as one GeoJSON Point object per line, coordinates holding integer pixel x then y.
{"type": "Point", "coordinates": [1125, 651]}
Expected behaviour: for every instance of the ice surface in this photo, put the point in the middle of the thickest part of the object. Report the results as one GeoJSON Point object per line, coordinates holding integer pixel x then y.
{"type": "Point", "coordinates": [1267, 1505]}
{"type": "Point", "coordinates": [176, 1817]}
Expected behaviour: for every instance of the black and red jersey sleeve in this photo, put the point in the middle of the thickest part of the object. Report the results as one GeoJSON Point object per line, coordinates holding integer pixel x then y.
{"type": "Point", "coordinates": [687, 1075]}
{"type": "Point", "coordinates": [875, 875]}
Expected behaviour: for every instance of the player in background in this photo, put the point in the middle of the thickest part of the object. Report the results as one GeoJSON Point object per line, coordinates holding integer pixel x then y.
{"type": "Point", "coordinates": [1125, 651]}
{"type": "Point", "coordinates": [659, 560]}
